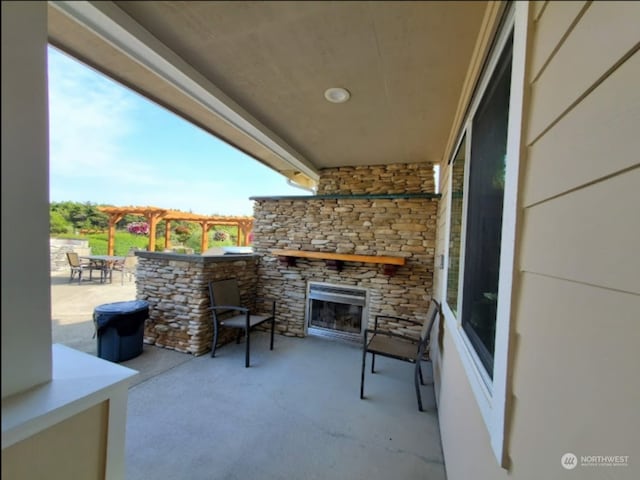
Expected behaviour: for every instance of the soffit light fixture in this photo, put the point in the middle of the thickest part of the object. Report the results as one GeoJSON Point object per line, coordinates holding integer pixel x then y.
{"type": "Point", "coordinates": [337, 95]}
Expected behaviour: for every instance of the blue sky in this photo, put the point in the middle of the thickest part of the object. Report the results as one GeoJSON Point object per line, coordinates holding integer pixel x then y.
{"type": "Point", "coordinates": [109, 145]}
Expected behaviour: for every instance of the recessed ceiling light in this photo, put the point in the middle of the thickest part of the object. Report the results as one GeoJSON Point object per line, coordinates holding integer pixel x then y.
{"type": "Point", "coordinates": [337, 95]}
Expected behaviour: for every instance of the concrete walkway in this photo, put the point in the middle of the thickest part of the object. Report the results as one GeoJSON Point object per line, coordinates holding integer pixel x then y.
{"type": "Point", "coordinates": [72, 306]}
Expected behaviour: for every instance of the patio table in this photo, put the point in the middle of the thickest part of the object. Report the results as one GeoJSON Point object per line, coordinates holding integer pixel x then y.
{"type": "Point", "coordinates": [106, 262]}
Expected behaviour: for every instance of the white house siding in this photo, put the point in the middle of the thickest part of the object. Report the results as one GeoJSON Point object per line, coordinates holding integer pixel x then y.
{"type": "Point", "coordinates": [576, 312]}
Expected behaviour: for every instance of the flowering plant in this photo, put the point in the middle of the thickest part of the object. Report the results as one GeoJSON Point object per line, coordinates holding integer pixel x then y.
{"type": "Point", "coordinates": [138, 228]}
{"type": "Point", "coordinates": [220, 236]}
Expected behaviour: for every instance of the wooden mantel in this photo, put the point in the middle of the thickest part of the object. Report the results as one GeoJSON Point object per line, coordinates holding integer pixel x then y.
{"type": "Point", "coordinates": [335, 261]}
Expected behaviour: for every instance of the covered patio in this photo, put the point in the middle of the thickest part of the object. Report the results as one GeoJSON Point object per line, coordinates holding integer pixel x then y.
{"type": "Point", "coordinates": [294, 415]}
{"type": "Point", "coordinates": [530, 111]}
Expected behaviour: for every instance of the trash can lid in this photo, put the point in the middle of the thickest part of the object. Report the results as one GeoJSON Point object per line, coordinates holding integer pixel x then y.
{"type": "Point", "coordinates": [123, 315]}
{"type": "Point", "coordinates": [131, 306]}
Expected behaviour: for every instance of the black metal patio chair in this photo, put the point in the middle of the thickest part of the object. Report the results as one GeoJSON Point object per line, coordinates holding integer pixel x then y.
{"type": "Point", "coordinates": [400, 347]}
{"type": "Point", "coordinates": [227, 311]}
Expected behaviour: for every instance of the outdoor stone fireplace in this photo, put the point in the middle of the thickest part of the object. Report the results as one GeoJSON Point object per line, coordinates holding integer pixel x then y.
{"type": "Point", "coordinates": [368, 211]}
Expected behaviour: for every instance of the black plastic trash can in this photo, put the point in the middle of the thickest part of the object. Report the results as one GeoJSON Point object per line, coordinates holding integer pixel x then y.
{"type": "Point", "coordinates": [120, 329]}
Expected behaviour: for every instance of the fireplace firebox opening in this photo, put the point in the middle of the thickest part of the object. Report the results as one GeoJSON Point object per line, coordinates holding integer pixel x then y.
{"type": "Point", "coordinates": [337, 311]}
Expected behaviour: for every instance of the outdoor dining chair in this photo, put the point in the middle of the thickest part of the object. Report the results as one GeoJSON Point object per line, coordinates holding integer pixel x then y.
{"type": "Point", "coordinates": [78, 267]}
{"type": "Point", "coordinates": [400, 347]}
{"type": "Point", "coordinates": [227, 311]}
{"type": "Point", "coordinates": [127, 267]}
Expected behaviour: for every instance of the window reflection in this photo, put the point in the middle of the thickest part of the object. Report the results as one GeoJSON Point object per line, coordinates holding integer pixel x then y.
{"type": "Point", "coordinates": [455, 229]}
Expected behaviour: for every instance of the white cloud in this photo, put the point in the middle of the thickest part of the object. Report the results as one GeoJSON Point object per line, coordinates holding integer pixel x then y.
{"type": "Point", "coordinates": [87, 117]}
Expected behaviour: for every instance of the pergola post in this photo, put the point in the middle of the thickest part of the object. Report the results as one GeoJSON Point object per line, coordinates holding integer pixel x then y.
{"type": "Point", "coordinates": [204, 241]}
{"type": "Point", "coordinates": [113, 219]}
{"type": "Point", "coordinates": [244, 227]}
{"type": "Point", "coordinates": [152, 218]}
{"type": "Point", "coordinates": [167, 234]}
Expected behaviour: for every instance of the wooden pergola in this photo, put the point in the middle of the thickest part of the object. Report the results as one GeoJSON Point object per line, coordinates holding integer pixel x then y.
{"type": "Point", "coordinates": [154, 215]}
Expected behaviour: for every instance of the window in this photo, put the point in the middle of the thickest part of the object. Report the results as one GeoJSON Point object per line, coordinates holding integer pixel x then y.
{"type": "Point", "coordinates": [484, 212]}
{"type": "Point", "coordinates": [474, 301]}
{"type": "Point", "coordinates": [482, 200]}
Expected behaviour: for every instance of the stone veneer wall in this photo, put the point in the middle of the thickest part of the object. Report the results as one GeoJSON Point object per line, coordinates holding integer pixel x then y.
{"type": "Point", "coordinates": [176, 287]}
{"type": "Point", "coordinates": [404, 227]}
{"type": "Point", "coordinates": [378, 179]}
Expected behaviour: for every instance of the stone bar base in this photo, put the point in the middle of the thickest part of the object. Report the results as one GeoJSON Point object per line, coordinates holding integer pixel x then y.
{"type": "Point", "coordinates": [176, 287]}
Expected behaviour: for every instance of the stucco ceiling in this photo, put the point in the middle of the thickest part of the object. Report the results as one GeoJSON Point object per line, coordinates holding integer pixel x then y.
{"type": "Point", "coordinates": [403, 62]}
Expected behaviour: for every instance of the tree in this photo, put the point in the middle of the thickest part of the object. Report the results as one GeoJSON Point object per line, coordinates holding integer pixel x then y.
{"type": "Point", "coordinates": [81, 215]}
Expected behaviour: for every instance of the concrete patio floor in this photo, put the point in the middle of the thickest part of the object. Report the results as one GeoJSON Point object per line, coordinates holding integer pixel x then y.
{"type": "Point", "coordinates": [294, 414]}
{"type": "Point", "coordinates": [72, 306]}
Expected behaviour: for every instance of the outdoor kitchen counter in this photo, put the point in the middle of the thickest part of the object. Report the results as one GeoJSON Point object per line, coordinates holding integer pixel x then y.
{"type": "Point", "coordinates": [182, 257]}
{"type": "Point", "coordinates": [176, 287]}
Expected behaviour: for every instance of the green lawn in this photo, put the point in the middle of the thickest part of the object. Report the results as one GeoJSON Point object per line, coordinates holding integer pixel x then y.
{"type": "Point", "coordinates": [123, 242]}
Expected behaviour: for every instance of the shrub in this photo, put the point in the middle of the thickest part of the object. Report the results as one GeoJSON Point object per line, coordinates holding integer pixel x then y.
{"type": "Point", "coordinates": [183, 232]}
